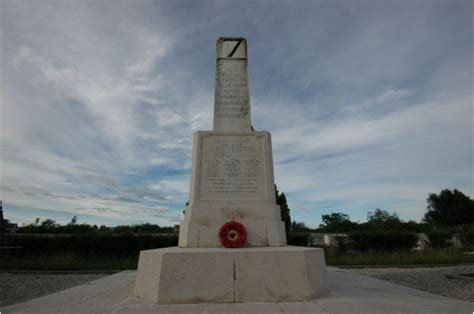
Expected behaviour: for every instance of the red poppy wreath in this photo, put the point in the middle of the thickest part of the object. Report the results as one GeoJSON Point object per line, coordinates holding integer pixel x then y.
{"type": "Point", "coordinates": [233, 234]}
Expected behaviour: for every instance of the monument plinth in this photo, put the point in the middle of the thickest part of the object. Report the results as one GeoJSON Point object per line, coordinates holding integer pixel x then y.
{"type": "Point", "coordinates": [231, 180]}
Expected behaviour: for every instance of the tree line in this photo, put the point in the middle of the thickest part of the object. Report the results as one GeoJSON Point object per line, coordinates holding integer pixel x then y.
{"type": "Point", "coordinates": [444, 210]}
{"type": "Point", "coordinates": [448, 209]}
{"type": "Point", "coordinates": [51, 226]}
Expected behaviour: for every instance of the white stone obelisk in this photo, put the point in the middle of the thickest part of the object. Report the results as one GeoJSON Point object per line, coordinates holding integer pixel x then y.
{"type": "Point", "coordinates": [231, 180]}
{"type": "Point", "coordinates": [232, 169]}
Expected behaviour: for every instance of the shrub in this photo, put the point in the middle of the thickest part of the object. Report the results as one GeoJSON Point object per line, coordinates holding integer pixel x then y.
{"type": "Point", "coordinates": [298, 239]}
{"type": "Point", "coordinates": [343, 244]}
{"type": "Point", "coordinates": [382, 240]}
{"type": "Point", "coordinates": [438, 239]}
{"type": "Point", "coordinates": [114, 245]}
{"type": "Point", "coordinates": [468, 237]}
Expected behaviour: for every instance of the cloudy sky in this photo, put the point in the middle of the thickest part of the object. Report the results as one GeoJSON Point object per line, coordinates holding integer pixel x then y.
{"type": "Point", "coordinates": [369, 103]}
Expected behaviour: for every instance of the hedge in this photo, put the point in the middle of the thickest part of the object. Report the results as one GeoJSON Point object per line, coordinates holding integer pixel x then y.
{"type": "Point", "coordinates": [298, 239]}
{"type": "Point", "coordinates": [439, 239]}
{"type": "Point", "coordinates": [113, 245]}
{"type": "Point", "coordinates": [468, 237]}
{"type": "Point", "coordinates": [121, 245]}
{"type": "Point", "coordinates": [382, 240]}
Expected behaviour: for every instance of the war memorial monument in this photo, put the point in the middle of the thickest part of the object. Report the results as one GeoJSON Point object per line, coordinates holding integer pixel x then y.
{"type": "Point", "coordinates": [232, 243]}
{"type": "Point", "coordinates": [232, 255]}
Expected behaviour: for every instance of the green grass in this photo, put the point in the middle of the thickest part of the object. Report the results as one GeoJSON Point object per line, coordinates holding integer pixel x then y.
{"type": "Point", "coordinates": [426, 257]}
{"type": "Point", "coordinates": [67, 262]}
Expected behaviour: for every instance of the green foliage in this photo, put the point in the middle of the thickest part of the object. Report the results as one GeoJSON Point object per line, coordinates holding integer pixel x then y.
{"type": "Point", "coordinates": [449, 208]}
{"type": "Point", "coordinates": [337, 222]}
{"type": "Point", "coordinates": [143, 228]}
{"type": "Point", "coordinates": [284, 210]}
{"type": "Point", "coordinates": [448, 256]}
{"type": "Point", "coordinates": [376, 240]}
{"type": "Point", "coordinates": [66, 262]}
{"type": "Point", "coordinates": [299, 226]}
{"type": "Point", "coordinates": [90, 244]}
{"type": "Point", "coordinates": [467, 236]}
{"type": "Point", "coordinates": [413, 226]}
{"type": "Point", "coordinates": [439, 239]}
{"type": "Point", "coordinates": [376, 220]}
{"type": "Point", "coordinates": [383, 219]}
{"type": "Point", "coordinates": [343, 244]}
{"type": "Point", "coordinates": [50, 226]}
{"type": "Point", "coordinates": [297, 239]}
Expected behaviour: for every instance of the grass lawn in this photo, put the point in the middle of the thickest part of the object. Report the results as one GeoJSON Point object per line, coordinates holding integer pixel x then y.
{"type": "Point", "coordinates": [448, 256]}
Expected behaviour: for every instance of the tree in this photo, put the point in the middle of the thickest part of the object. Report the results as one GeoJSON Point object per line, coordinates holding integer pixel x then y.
{"type": "Point", "coordinates": [284, 209]}
{"type": "Point", "coordinates": [337, 222]}
{"type": "Point", "coordinates": [73, 220]}
{"type": "Point", "coordinates": [383, 219]}
{"type": "Point", "coordinates": [2, 226]}
{"type": "Point", "coordinates": [48, 225]}
{"type": "Point", "coordinates": [299, 226]}
{"type": "Point", "coordinates": [449, 208]}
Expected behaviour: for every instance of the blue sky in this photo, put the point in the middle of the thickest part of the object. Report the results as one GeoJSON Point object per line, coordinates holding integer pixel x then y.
{"type": "Point", "coordinates": [369, 103]}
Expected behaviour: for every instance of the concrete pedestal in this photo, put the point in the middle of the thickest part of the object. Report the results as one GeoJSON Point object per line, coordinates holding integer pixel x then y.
{"type": "Point", "coordinates": [220, 275]}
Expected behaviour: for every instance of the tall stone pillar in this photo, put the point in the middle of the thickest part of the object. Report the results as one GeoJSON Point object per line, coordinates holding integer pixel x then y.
{"type": "Point", "coordinates": [232, 168]}
{"type": "Point", "coordinates": [231, 182]}
{"type": "Point", "coordinates": [232, 100]}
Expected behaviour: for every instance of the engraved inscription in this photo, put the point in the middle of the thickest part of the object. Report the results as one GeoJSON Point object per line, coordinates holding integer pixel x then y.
{"type": "Point", "coordinates": [232, 168]}
{"type": "Point", "coordinates": [232, 97]}
{"type": "Point", "coordinates": [232, 48]}
{"type": "Point", "coordinates": [235, 48]}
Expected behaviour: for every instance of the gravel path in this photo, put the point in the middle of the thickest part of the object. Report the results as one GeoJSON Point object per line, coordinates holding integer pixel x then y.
{"type": "Point", "coordinates": [19, 287]}
{"type": "Point", "coordinates": [429, 279]}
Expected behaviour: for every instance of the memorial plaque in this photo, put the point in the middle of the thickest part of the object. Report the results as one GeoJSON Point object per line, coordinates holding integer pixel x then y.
{"type": "Point", "coordinates": [232, 168]}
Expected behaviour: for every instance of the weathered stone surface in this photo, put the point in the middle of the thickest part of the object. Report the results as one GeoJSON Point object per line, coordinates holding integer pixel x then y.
{"type": "Point", "coordinates": [289, 274]}
{"type": "Point", "coordinates": [216, 275]}
{"type": "Point", "coordinates": [232, 101]}
{"type": "Point", "coordinates": [174, 276]}
{"type": "Point", "coordinates": [232, 179]}
{"type": "Point", "coordinates": [232, 167]}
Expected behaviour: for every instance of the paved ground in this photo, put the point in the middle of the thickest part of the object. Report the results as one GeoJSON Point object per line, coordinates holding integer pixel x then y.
{"type": "Point", "coordinates": [429, 279]}
{"type": "Point", "coordinates": [349, 293]}
{"type": "Point", "coordinates": [19, 287]}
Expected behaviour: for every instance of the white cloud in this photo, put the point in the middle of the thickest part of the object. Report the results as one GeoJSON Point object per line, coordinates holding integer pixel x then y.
{"type": "Point", "coordinates": [99, 102]}
{"type": "Point", "coordinates": [176, 188]}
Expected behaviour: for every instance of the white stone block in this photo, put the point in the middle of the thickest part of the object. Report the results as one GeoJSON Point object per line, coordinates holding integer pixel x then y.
{"type": "Point", "coordinates": [216, 275]}
{"type": "Point", "coordinates": [232, 179]}
{"type": "Point", "coordinates": [174, 276]}
{"type": "Point", "coordinates": [290, 274]}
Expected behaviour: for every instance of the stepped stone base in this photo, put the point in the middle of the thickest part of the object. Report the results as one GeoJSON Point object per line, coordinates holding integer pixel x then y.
{"type": "Point", "coordinates": [220, 275]}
